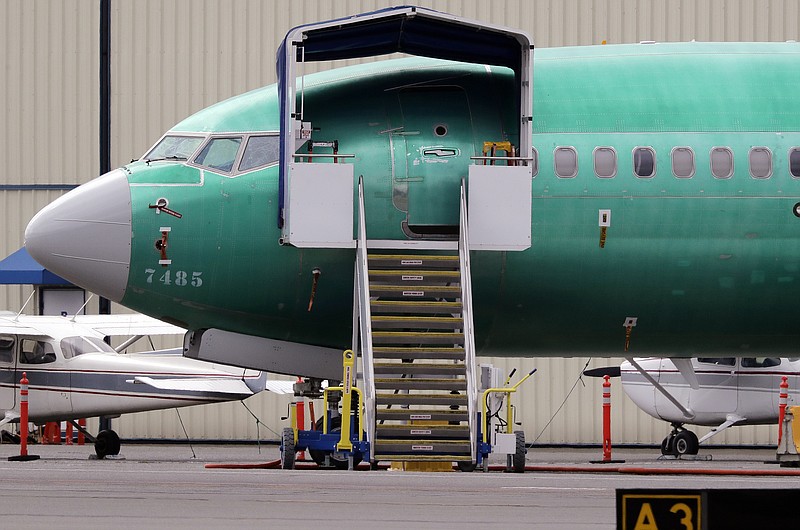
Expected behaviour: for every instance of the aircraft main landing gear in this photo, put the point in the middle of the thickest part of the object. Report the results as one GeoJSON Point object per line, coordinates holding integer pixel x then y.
{"type": "Point", "coordinates": [680, 442]}
{"type": "Point", "coordinates": [106, 443]}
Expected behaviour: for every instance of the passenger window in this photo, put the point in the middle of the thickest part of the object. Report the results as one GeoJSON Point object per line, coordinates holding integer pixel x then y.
{"type": "Point", "coordinates": [721, 162]}
{"type": "Point", "coordinates": [36, 352]}
{"type": "Point", "coordinates": [721, 361]}
{"type": "Point", "coordinates": [605, 162]}
{"type": "Point", "coordinates": [683, 162]}
{"type": "Point", "coordinates": [760, 362]}
{"type": "Point", "coordinates": [7, 348]}
{"type": "Point", "coordinates": [794, 162]}
{"type": "Point", "coordinates": [644, 162]}
{"type": "Point", "coordinates": [760, 162]}
{"type": "Point", "coordinates": [260, 151]}
{"type": "Point", "coordinates": [565, 162]}
{"type": "Point", "coordinates": [535, 162]}
{"type": "Point", "coordinates": [219, 154]}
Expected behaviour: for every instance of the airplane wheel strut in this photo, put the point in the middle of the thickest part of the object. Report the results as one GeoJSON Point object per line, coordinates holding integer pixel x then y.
{"type": "Point", "coordinates": [666, 444]}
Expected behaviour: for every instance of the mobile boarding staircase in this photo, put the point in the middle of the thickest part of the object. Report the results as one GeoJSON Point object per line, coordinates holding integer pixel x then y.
{"type": "Point", "coordinates": [412, 312]}
{"type": "Point", "coordinates": [414, 315]}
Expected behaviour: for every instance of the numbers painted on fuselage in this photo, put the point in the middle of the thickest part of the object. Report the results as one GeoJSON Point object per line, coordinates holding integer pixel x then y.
{"type": "Point", "coordinates": [179, 278]}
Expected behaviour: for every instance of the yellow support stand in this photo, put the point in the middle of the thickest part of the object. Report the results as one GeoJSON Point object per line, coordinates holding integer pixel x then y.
{"type": "Point", "coordinates": [293, 418]}
{"type": "Point", "coordinates": [504, 390]}
{"type": "Point", "coordinates": [347, 394]}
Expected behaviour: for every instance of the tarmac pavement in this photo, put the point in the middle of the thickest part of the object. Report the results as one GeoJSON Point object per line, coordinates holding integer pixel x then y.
{"type": "Point", "coordinates": [170, 486]}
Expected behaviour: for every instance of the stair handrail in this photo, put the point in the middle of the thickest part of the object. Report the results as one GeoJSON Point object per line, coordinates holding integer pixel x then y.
{"type": "Point", "coordinates": [466, 314]}
{"type": "Point", "coordinates": [365, 319]}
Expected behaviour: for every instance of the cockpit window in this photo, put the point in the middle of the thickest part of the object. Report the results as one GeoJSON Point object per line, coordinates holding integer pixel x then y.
{"type": "Point", "coordinates": [6, 348]}
{"type": "Point", "coordinates": [219, 154]}
{"type": "Point", "coordinates": [74, 346]}
{"type": "Point", "coordinates": [36, 352]}
{"type": "Point", "coordinates": [175, 148]}
{"type": "Point", "coordinates": [260, 151]}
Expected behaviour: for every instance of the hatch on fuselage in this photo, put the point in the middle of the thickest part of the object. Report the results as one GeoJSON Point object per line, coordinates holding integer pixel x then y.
{"type": "Point", "coordinates": [432, 140]}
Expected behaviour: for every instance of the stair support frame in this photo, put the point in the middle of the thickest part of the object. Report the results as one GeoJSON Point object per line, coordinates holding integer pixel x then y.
{"type": "Point", "coordinates": [469, 332]}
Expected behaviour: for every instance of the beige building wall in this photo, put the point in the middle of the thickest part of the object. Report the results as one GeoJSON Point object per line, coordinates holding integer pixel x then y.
{"type": "Point", "coordinates": [171, 58]}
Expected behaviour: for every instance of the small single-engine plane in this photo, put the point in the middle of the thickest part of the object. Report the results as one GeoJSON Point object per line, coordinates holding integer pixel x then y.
{"type": "Point", "coordinates": [74, 373]}
{"type": "Point", "coordinates": [717, 392]}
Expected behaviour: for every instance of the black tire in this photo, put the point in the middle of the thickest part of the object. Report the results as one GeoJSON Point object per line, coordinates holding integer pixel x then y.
{"type": "Point", "coordinates": [666, 445]}
{"type": "Point", "coordinates": [106, 444]}
{"type": "Point", "coordinates": [466, 467]}
{"type": "Point", "coordinates": [518, 458]}
{"type": "Point", "coordinates": [685, 443]}
{"type": "Point", "coordinates": [287, 449]}
{"type": "Point", "coordinates": [318, 455]}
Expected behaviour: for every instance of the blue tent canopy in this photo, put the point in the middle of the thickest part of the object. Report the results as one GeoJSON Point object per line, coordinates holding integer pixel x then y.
{"type": "Point", "coordinates": [21, 269]}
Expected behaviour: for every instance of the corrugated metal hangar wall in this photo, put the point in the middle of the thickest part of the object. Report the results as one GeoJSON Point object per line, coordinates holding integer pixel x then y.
{"type": "Point", "coordinates": [170, 58]}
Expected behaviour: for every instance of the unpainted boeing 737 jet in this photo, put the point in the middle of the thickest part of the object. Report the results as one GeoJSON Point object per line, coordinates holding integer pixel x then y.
{"type": "Point", "coordinates": [617, 200]}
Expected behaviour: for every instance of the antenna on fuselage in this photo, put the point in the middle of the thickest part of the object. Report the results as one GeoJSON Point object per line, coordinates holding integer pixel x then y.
{"type": "Point", "coordinates": [16, 318]}
{"type": "Point", "coordinates": [81, 308]}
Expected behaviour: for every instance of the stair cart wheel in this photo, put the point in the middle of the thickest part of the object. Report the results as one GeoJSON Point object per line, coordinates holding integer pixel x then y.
{"type": "Point", "coordinates": [518, 459]}
{"type": "Point", "coordinates": [287, 449]}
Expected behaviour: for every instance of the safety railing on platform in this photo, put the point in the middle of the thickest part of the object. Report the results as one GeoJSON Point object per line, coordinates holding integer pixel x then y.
{"type": "Point", "coordinates": [466, 313]}
{"type": "Point", "coordinates": [364, 316]}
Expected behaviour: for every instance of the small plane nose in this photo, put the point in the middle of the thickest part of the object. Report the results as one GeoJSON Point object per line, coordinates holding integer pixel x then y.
{"type": "Point", "coordinates": [85, 235]}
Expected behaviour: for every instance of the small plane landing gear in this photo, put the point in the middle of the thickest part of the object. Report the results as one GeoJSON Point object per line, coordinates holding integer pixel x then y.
{"type": "Point", "coordinates": [106, 444]}
{"type": "Point", "coordinates": [680, 442]}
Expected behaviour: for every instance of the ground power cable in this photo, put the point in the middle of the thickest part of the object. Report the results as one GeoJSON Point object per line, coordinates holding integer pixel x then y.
{"type": "Point", "coordinates": [185, 433]}
{"type": "Point", "coordinates": [259, 422]}
{"type": "Point", "coordinates": [578, 380]}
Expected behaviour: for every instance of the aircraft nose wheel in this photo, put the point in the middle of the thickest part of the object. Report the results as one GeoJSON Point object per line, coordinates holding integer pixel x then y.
{"type": "Point", "coordinates": [106, 443]}
{"type": "Point", "coordinates": [680, 443]}
{"type": "Point", "coordinates": [685, 443]}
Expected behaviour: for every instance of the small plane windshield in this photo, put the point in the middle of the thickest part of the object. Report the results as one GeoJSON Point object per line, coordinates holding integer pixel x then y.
{"type": "Point", "coordinates": [74, 346]}
{"type": "Point", "coordinates": [175, 148]}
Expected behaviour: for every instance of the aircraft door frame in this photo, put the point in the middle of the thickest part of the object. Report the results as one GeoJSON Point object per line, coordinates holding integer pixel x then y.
{"type": "Point", "coordinates": [759, 380]}
{"type": "Point", "coordinates": [673, 382]}
{"type": "Point", "coordinates": [9, 381]}
{"type": "Point", "coordinates": [718, 392]}
{"type": "Point", "coordinates": [50, 386]}
{"type": "Point", "coordinates": [432, 152]}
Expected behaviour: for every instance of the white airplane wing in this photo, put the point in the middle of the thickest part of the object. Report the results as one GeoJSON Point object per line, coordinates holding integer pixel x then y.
{"type": "Point", "coordinates": [280, 387]}
{"type": "Point", "coordinates": [205, 384]}
{"type": "Point", "coordinates": [128, 324]}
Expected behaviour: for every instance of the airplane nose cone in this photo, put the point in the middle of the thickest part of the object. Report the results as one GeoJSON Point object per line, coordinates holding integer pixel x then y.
{"type": "Point", "coordinates": [85, 235]}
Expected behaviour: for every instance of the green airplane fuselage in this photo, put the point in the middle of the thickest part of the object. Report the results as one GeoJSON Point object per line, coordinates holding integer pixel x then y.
{"type": "Point", "coordinates": [708, 266]}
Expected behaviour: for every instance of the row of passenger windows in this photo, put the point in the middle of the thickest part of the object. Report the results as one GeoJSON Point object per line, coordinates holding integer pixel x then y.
{"type": "Point", "coordinates": [220, 153]}
{"type": "Point", "coordinates": [565, 162]}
